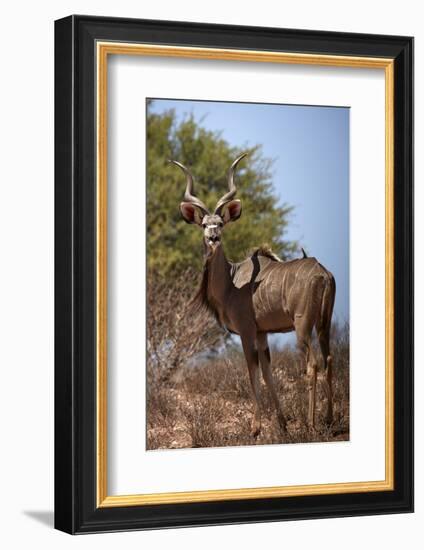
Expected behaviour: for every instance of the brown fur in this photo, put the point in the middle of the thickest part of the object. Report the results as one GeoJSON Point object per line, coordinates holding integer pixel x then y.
{"type": "Point", "coordinates": [200, 301]}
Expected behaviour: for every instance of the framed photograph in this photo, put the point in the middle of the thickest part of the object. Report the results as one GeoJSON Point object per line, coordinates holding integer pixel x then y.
{"type": "Point", "coordinates": [234, 274]}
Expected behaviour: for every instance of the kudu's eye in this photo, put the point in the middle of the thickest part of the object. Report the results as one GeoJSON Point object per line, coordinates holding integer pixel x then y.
{"type": "Point", "coordinates": [221, 224]}
{"type": "Point", "coordinates": [204, 225]}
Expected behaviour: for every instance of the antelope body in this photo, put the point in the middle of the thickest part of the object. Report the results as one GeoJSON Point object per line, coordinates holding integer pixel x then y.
{"type": "Point", "coordinates": [263, 295]}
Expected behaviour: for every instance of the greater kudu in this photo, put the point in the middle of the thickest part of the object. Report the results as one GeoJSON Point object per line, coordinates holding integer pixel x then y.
{"type": "Point", "coordinates": [262, 295]}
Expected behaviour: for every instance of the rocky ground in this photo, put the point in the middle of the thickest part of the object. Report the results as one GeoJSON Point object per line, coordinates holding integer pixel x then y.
{"type": "Point", "coordinates": [209, 405]}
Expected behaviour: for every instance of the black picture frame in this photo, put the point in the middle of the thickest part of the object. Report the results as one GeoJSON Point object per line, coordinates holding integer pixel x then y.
{"type": "Point", "coordinates": [76, 510]}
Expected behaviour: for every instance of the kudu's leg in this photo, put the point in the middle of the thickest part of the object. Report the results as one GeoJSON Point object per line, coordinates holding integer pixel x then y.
{"type": "Point", "coordinates": [251, 354]}
{"type": "Point", "coordinates": [265, 360]}
{"type": "Point", "coordinates": [303, 332]}
{"type": "Point", "coordinates": [324, 342]}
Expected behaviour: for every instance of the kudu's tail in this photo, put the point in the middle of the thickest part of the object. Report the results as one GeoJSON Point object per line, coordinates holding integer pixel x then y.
{"type": "Point", "coordinates": [327, 302]}
{"type": "Point", "coordinates": [323, 324]}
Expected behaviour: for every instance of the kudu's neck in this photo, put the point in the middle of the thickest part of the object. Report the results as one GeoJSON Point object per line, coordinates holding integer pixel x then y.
{"type": "Point", "coordinates": [219, 277]}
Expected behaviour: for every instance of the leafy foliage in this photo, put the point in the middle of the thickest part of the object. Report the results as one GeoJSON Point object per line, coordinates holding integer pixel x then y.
{"type": "Point", "coordinates": [172, 245]}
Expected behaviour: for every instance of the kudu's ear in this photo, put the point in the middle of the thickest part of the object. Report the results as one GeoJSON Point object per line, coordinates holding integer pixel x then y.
{"type": "Point", "coordinates": [231, 211]}
{"type": "Point", "coordinates": [190, 213]}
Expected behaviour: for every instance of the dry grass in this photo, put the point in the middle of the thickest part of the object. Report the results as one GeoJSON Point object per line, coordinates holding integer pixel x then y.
{"type": "Point", "coordinates": [175, 333]}
{"type": "Point", "coordinates": [208, 404]}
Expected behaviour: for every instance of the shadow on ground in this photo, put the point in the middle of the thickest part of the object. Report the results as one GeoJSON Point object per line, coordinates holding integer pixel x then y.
{"type": "Point", "coordinates": [46, 517]}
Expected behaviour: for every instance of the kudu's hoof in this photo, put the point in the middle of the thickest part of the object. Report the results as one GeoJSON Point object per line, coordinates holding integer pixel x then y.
{"type": "Point", "coordinates": [329, 421]}
{"type": "Point", "coordinates": [255, 431]}
{"type": "Point", "coordinates": [282, 423]}
{"type": "Point", "coordinates": [311, 427]}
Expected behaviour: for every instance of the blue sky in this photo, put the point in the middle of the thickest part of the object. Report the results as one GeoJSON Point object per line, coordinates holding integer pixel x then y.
{"type": "Point", "coordinates": [310, 148]}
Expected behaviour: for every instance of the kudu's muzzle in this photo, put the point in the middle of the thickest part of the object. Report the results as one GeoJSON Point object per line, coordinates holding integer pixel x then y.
{"type": "Point", "coordinates": [212, 234]}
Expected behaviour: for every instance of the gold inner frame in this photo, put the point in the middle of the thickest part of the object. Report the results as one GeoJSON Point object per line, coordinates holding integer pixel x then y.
{"type": "Point", "coordinates": [104, 49]}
